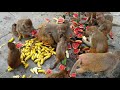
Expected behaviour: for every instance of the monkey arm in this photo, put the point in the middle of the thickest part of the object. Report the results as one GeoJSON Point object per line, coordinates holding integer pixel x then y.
{"type": "Point", "coordinates": [84, 39]}
{"type": "Point", "coordinates": [102, 27]}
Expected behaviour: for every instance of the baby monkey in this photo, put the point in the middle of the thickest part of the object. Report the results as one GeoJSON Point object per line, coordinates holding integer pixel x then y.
{"type": "Point", "coordinates": [13, 56]}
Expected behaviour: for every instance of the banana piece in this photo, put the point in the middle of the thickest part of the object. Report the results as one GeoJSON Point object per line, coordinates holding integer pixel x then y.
{"type": "Point", "coordinates": [41, 71]}
{"type": "Point", "coordinates": [10, 69]}
{"type": "Point", "coordinates": [17, 76]}
{"type": "Point", "coordinates": [11, 40]}
{"type": "Point", "coordinates": [24, 76]}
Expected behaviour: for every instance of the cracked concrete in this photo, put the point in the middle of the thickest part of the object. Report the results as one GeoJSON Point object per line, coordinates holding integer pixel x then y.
{"type": "Point", "coordinates": [6, 21]}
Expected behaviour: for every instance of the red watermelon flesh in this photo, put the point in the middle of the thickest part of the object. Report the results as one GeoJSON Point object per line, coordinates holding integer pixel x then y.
{"type": "Point", "coordinates": [76, 51]}
{"type": "Point", "coordinates": [81, 26]}
{"type": "Point", "coordinates": [79, 35]}
{"type": "Point", "coordinates": [75, 45]}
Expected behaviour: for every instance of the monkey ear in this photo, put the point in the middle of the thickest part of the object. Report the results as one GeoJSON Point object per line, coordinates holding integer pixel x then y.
{"type": "Point", "coordinates": [11, 45]}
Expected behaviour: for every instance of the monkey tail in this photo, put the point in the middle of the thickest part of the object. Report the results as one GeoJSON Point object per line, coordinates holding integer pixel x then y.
{"type": "Point", "coordinates": [113, 24]}
{"type": "Point", "coordinates": [78, 62]}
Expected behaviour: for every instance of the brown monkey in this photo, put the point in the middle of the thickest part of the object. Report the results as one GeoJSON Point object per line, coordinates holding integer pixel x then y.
{"type": "Point", "coordinates": [91, 17]}
{"type": "Point", "coordinates": [97, 62]}
{"type": "Point", "coordinates": [104, 25]}
{"type": "Point", "coordinates": [22, 28]}
{"type": "Point", "coordinates": [60, 51]}
{"type": "Point", "coordinates": [13, 56]}
{"type": "Point", "coordinates": [50, 32]}
{"type": "Point", "coordinates": [97, 40]}
{"type": "Point", "coordinates": [61, 74]}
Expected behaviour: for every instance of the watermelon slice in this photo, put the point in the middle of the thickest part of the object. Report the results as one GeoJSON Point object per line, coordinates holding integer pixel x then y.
{"type": "Point", "coordinates": [69, 46]}
{"type": "Point", "coordinates": [75, 45]}
{"type": "Point", "coordinates": [61, 20]}
{"type": "Point", "coordinates": [79, 41]}
{"type": "Point", "coordinates": [76, 51]}
{"type": "Point", "coordinates": [33, 32]}
{"type": "Point", "coordinates": [75, 15]}
{"type": "Point", "coordinates": [49, 71]}
{"type": "Point", "coordinates": [62, 67]}
{"type": "Point", "coordinates": [81, 26]}
{"type": "Point", "coordinates": [19, 45]}
{"type": "Point", "coordinates": [73, 75]}
{"type": "Point", "coordinates": [79, 35]}
{"type": "Point", "coordinates": [85, 48]}
{"type": "Point", "coordinates": [74, 23]}
{"type": "Point", "coordinates": [72, 26]}
{"type": "Point", "coordinates": [76, 30]}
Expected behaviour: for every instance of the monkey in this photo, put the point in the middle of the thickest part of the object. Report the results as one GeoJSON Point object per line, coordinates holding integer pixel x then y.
{"type": "Point", "coordinates": [97, 63]}
{"type": "Point", "coordinates": [60, 50]}
{"type": "Point", "coordinates": [13, 56]}
{"type": "Point", "coordinates": [50, 32]}
{"type": "Point", "coordinates": [96, 40]}
{"type": "Point", "coordinates": [61, 74]}
{"type": "Point", "coordinates": [22, 28]}
{"type": "Point", "coordinates": [104, 25]}
{"type": "Point", "coordinates": [91, 18]}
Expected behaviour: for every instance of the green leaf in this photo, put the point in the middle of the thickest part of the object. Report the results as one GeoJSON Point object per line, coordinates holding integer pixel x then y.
{"type": "Point", "coordinates": [64, 61]}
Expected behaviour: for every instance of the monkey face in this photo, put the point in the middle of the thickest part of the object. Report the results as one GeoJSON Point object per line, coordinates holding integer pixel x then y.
{"type": "Point", "coordinates": [90, 30]}
{"type": "Point", "coordinates": [99, 15]}
{"type": "Point", "coordinates": [27, 26]}
{"type": "Point", "coordinates": [11, 46]}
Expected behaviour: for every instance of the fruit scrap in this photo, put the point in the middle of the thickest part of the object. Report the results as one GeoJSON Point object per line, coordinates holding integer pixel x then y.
{"type": "Point", "coordinates": [76, 51]}
{"type": "Point", "coordinates": [37, 70]}
{"type": "Point", "coordinates": [49, 71]}
{"type": "Point", "coordinates": [25, 64]}
{"type": "Point", "coordinates": [73, 75]}
{"type": "Point", "coordinates": [38, 52]}
{"type": "Point", "coordinates": [79, 35]}
{"type": "Point", "coordinates": [10, 69]}
{"type": "Point", "coordinates": [17, 76]}
{"type": "Point", "coordinates": [19, 45]}
{"type": "Point", "coordinates": [24, 76]}
{"type": "Point", "coordinates": [62, 67]}
{"type": "Point", "coordinates": [67, 54]}
{"type": "Point", "coordinates": [79, 41]}
{"type": "Point", "coordinates": [11, 40]}
{"type": "Point", "coordinates": [75, 45]}
{"type": "Point", "coordinates": [41, 71]}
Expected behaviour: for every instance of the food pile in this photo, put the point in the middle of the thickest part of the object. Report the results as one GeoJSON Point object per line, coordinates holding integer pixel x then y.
{"type": "Point", "coordinates": [36, 51]}
{"type": "Point", "coordinates": [78, 28]}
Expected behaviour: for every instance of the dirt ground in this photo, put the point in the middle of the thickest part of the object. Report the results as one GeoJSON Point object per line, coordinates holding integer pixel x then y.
{"type": "Point", "coordinates": [8, 18]}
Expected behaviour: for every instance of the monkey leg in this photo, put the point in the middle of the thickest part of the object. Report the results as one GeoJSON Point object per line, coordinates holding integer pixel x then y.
{"type": "Point", "coordinates": [14, 30]}
{"type": "Point", "coordinates": [92, 50]}
{"type": "Point", "coordinates": [55, 64]}
{"type": "Point", "coordinates": [80, 70]}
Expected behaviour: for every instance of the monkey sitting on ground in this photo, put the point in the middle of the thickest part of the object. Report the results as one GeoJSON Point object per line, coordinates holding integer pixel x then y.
{"type": "Point", "coordinates": [61, 74]}
{"type": "Point", "coordinates": [97, 40]}
{"type": "Point", "coordinates": [104, 25]}
{"type": "Point", "coordinates": [13, 56]}
{"type": "Point", "coordinates": [60, 50]}
{"type": "Point", "coordinates": [22, 28]}
{"type": "Point", "coordinates": [97, 63]}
